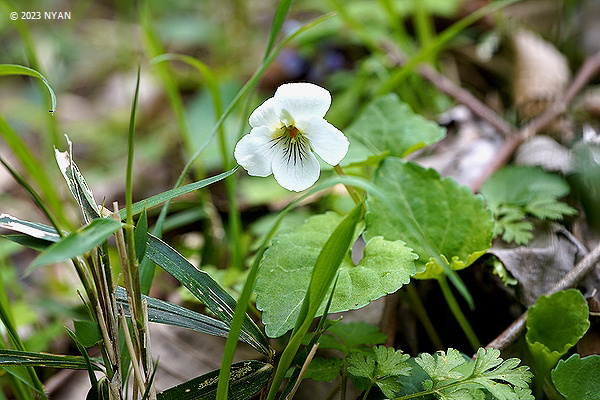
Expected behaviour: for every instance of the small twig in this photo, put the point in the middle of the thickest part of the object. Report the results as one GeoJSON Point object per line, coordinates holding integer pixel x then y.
{"type": "Point", "coordinates": [108, 343]}
{"type": "Point", "coordinates": [149, 366]}
{"type": "Point", "coordinates": [589, 68]}
{"type": "Point", "coordinates": [447, 86]}
{"type": "Point", "coordinates": [309, 358]}
{"type": "Point", "coordinates": [137, 373]}
{"type": "Point", "coordinates": [573, 277]}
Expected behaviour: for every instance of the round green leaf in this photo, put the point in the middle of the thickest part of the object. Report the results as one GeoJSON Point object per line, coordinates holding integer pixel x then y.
{"type": "Point", "coordinates": [587, 370]}
{"type": "Point", "coordinates": [555, 324]}
{"type": "Point", "coordinates": [388, 124]}
{"type": "Point", "coordinates": [437, 217]}
{"type": "Point", "coordinates": [287, 265]}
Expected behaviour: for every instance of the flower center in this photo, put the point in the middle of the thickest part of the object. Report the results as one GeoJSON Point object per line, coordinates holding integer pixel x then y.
{"type": "Point", "coordinates": [292, 131]}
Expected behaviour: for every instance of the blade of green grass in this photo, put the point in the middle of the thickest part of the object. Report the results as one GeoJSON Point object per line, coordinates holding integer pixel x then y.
{"type": "Point", "coordinates": [26, 358]}
{"type": "Point", "coordinates": [248, 378]}
{"type": "Point", "coordinates": [162, 312]}
{"type": "Point", "coordinates": [178, 191]}
{"type": "Point", "coordinates": [205, 289]}
{"type": "Point", "coordinates": [77, 243]}
{"type": "Point", "coordinates": [13, 69]}
{"type": "Point", "coordinates": [280, 13]}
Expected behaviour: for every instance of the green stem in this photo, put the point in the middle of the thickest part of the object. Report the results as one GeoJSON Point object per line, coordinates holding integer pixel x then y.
{"type": "Point", "coordinates": [338, 169]}
{"type": "Point", "coordinates": [419, 309]}
{"type": "Point", "coordinates": [427, 52]}
{"type": "Point", "coordinates": [344, 385]}
{"type": "Point", "coordinates": [367, 391]}
{"type": "Point", "coordinates": [458, 314]}
{"type": "Point", "coordinates": [423, 24]}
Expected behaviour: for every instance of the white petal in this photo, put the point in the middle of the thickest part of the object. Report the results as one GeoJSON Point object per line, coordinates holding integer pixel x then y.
{"type": "Point", "coordinates": [325, 139]}
{"type": "Point", "coordinates": [256, 151]}
{"type": "Point", "coordinates": [297, 101]}
{"type": "Point", "coordinates": [297, 171]}
{"type": "Point", "coordinates": [265, 115]}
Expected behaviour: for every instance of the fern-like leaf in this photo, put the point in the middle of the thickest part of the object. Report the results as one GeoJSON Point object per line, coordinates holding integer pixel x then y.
{"type": "Point", "coordinates": [502, 379]}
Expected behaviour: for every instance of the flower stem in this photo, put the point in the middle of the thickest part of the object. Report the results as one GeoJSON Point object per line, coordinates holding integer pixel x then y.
{"type": "Point", "coordinates": [458, 314]}
{"type": "Point", "coordinates": [337, 168]}
{"type": "Point", "coordinates": [419, 309]}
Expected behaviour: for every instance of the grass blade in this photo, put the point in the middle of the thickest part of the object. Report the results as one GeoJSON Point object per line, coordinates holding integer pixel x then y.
{"type": "Point", "coordinates": [13, 69]}
{"type": "Point", "coordinates": [170, 194]}
{"type": "Point", "coordinates": [162, 312]}
{"type": "Point", "coordinates": [26, 358]}
{"type": "Point", "coordinates": [323, 273]}
{"type": "Point", "coordinates": [206, 289]}
{"type": "Point", "coordinates": [77, 243]}
{"type": "Point", "coordinates": [282, 9]}
{"type": "Point", "coordinates": [248, 378]}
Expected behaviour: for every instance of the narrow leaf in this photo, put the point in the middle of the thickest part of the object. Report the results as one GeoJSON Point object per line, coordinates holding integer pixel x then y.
{"type": "Point", "coordinates": [247, 378]}
{"type": "Point", "coordinates": [206, 289]}
{"type": "Point", "coordinates": [12, 69]}
{"type": "Point", "coordinates": [162, 312]}
{"type": "Point", "coordinates": [169, 194]}
{"type": "Point", "coordinates": [282, 9]}
{"type": "Point", "coordinates": [77, 243]}
{"type": "Point", "coordinates": [15, 357]}
{"type": "Point", "coordinates": [141, 236]}
{"type": "Point", "coordinates": [77, 184]}
{"type": "Point", "coordinates": [32, 229]}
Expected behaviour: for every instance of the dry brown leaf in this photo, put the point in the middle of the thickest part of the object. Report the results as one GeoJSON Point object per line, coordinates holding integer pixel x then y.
{"type": "Point", "coordinates": [552, 253]}
{"type": "Point", "coordinates": [541, 75]}
{"type": "Point", "coordinates": [545, 152]}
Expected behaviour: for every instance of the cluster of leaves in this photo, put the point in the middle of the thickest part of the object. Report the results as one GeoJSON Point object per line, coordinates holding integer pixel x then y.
{"type": "Point", "coordinates": [515, 192]}
{"type": "Point", "coordinates": [447, 375]}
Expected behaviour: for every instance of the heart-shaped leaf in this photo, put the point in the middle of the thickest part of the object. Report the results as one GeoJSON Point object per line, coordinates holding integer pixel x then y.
{"type": "Point", "coordinates": [287, 266]}
{"type": "Point", "coordinates": [437, 217]}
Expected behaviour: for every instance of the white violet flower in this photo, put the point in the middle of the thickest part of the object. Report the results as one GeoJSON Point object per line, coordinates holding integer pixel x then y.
{"type": "Point", "coordinates": [286, 129]}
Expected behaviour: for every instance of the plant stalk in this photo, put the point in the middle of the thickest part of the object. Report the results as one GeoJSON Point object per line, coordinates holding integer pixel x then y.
{"type": "Point", "coordinates": [458, 314]}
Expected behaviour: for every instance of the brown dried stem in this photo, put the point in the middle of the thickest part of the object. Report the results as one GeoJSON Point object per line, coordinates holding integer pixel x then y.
{"type": "Point", "coordinates": [447, 86]}
{"type": "Point", "coordinates": [588, 70]}
{"type": "Point", "coordinates": [514, 137]}
{"type": "Point", "coordinates": [583, 267]}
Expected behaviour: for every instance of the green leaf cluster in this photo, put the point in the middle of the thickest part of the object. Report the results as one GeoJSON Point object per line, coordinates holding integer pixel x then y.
{"type": "Point", "coordinates": [348, 338]}
{"type": "Point", "coordinates": [382, 366]}
{"type": "Point", "coordinates": [454, 377]}
{"type": "Point", "coordinates": [515, 192]}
